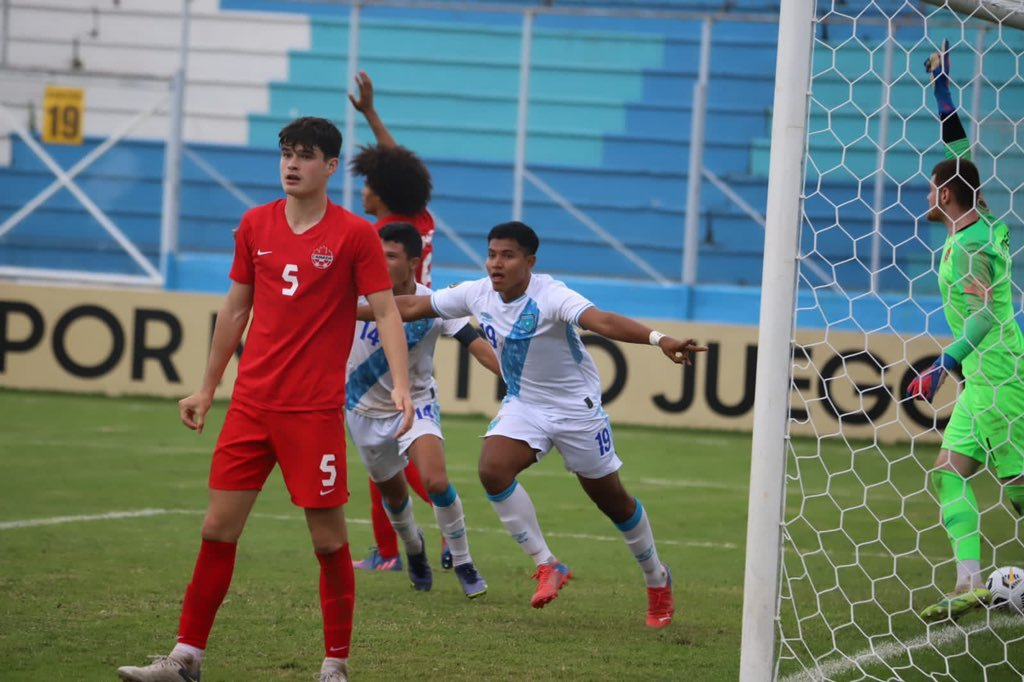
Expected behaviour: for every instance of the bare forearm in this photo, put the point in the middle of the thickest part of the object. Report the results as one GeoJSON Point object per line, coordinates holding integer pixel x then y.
{"type": "Point", "coordinates": [617, 327]}
{"type": "Point", "coordinates": [409, 309]}
{"type": "Point", "coordinates": [227, 333]}
{"type": "Point", "coordinates": [380, 131]}
{"type": "Point", "coordinates": [481, 350]}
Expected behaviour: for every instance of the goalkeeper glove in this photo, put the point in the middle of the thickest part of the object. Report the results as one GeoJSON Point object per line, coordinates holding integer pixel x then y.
{"type": "Point", "coordinates": [927, 385]}
{"type": "Point", "coordinates": [938, 66]}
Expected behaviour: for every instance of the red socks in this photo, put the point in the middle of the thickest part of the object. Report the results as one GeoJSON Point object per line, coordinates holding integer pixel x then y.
{"type": "Point", "coordinates": [203, 596]}
{"type": "Point", "coordinates": [337, 600]}
{"type": "Point", "coordinates": [383, 534]}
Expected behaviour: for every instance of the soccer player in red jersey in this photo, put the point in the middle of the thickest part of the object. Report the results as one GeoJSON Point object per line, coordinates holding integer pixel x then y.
{"type": "Point", "coordinates": [396, 190]}
{"type": "Point", "coordinates": [300, 265]}
{"type": "Point", "coordinates": [397, 183]}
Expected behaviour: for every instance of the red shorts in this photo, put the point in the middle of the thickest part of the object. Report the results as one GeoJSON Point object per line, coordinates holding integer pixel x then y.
{"type": "Point", "coordinates": [309, 446]}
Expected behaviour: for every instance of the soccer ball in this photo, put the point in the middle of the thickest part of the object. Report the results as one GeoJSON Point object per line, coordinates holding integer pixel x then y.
{"type": "Point", "coordinates": [1007, 587]}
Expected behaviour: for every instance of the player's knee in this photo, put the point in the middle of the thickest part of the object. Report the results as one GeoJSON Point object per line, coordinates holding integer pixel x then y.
{"type": "Point", "coordinates": [435, 483]}
{"type": "Point", "coordinates": [327, 546]}
{"type": "Point", "coordinates": [494, 477]}
{"type": "Point", "coordinates": [217, 529]}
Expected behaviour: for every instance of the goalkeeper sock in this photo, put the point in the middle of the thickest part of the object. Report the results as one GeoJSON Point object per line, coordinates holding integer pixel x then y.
{"type": "Point", "coordinates": [962, 520]}
{"type": "Point", "coordinates": [452, 522]}
{"type": "Point", "coordinates": [517, 514]}
{"type": "Point", "coordinates": [404, 524]}
{"type": "Point", "coordinates": [637, 532]}
{"type": "Point", "coordinates": [1015, 493]}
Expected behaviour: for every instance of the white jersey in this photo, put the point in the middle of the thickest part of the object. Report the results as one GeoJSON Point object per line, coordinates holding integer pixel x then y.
{"type": "Point", "coordinates": [543, 360]}
{"type": "Point", "coordinates": [368, 383]}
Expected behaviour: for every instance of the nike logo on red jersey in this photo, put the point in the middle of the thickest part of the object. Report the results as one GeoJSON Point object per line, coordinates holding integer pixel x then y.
{"type": "Point", "coordinates": [262, 253]}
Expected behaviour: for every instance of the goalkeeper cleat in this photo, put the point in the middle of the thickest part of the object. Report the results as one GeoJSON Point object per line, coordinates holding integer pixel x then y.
{"type": "Point", "coordinates": [953, 606]}
{"type": "Point", "coordinates": [419, 569]}
{"type": "Point", "coordinates": [173, 668]}
{"type": "Point", "coordinates": [473, 584]}
{"type": "Point", "coordinates": [339, 675]}
{"type": "Point", "coordinates": [550, 579]}
{"type": "Point", "coordinates": [446, 555]}
{"type": "Point", "coordinates": [660, 605]}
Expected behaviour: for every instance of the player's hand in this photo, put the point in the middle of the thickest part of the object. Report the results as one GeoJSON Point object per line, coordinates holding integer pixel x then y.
{"type": "Point", "coordinates": [193, 409]}
{"type": "Point", "coordinates": [937, 65]}
{"type": "Point", "coordinates": [679, 351]}
{"type": "Point", "coordinates": [403, 403]}
{"type": "Point", "coordinates": [365, 86]}
{"type": "Point", "coordinates": [927, 385]}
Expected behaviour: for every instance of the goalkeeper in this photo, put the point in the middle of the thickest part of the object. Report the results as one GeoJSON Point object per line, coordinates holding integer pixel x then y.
{"type": "Point", "coordinates": [988, 347]}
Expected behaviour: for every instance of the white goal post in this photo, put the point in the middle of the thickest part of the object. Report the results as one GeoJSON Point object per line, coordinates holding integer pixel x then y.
{"type": "Point", "coordinates": [838, 567]}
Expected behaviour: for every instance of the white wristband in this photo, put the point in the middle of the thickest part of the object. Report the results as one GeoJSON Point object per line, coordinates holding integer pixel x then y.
{"type": "Point", "coordinates": [655, 337]}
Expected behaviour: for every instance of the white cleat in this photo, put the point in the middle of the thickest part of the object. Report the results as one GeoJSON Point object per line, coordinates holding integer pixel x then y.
{"type": "Point", "coordinates": [175, 668]}
{"type": "Point", "coordinates": [340, 675]}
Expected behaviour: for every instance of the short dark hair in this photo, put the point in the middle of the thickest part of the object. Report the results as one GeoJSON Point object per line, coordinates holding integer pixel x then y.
{"type": "Point", "coordinates": [397, 175]}
{"type": "Point", "coordinates": [406, 235]}
{"type": "Point", "coordinates": [522, 233]}
{"type": "Point", "coordinates": [961, 177]}
{"type": "Point", "coordinates": [312, 132]}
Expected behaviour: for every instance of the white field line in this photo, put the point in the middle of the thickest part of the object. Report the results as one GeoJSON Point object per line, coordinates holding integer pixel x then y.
{"type": "Point", "coordinates": [140, 513]}
{"type": "Point", "coordinates": [665, 482]}
{"type": "Point", "coordinates": [199, 448]}
{"type": "Point", "coordinates": [878, 655]}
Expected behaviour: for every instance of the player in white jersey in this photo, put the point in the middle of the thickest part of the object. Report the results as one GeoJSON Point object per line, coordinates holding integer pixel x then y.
{"type": "Point", "coordinates": [372, 420]}
{"type": "Point", "coordinates": [553, 400]}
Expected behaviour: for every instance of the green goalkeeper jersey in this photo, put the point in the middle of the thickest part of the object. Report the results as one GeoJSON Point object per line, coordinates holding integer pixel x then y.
{"type": "Point", "coordinates": [977, 296]}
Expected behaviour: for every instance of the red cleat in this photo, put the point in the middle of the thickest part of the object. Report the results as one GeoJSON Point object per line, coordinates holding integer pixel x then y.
{"type": "Point", "coordinates": [660, 606]}
{"type": "Point", "coordinates": [550, 579]}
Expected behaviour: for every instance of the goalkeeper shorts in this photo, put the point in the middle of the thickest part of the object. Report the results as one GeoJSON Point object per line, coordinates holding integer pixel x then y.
{"type": "Point", "coordinates": [989, 423]}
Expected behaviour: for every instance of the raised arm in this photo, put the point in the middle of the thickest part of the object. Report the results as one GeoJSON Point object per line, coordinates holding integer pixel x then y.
{"type": "Point", "coordinates": [364, 105]}
{"type": "Point", "coordinates": [392, 340]}
{"type": "Point", "coordinates": [227, 332]}
{"type": "Point", "coordinates": [620, 328]}
{"type": "Point", "coordinates": [954, 137]}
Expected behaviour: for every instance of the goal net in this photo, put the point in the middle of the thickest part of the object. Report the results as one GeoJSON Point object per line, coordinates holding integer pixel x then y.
{"type": "Point", "coordinates": [866, 544]}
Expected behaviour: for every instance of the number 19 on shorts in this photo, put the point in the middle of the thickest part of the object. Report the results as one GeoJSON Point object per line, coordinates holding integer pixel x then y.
{"type": "Point", "coordinates": [604, 441]}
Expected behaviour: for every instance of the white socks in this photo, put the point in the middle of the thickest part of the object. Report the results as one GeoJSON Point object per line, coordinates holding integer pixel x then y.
{"type": "Point", "coordinates": [515, 509]}
{"type": "Point", "coordinates": [452, 522]}
{"type": "Point", "coordinates": [331, 665]}
{"type": "Point", "coordinates": [968, 574]}
{"type": "Point", "coordinates": [404, 524]}
{"type": "Point", "coordinates": [637, 532]}
{"type": "Point", "coordinates": [187, 651]}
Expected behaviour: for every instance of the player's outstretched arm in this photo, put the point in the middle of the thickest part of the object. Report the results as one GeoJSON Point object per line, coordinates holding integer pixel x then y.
{"type": "Point", "coordinates": [392, 340]}
{"type": "Point", "coordinates": [364, 105]}
{"type": "Point", "coordinates": [227, 332]}
{"type": "Point", "coordinates": [620, 328]}
{"type": "Point", "coordinates": [410, 308]}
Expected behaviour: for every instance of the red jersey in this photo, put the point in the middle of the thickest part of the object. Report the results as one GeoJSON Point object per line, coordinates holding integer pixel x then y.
{"type": "Point", "coordinates": [305, 288]}
{"type": "Point", "coordinates": [424, 223]}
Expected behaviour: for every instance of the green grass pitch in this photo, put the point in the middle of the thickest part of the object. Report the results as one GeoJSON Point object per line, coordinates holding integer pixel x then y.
{"type": "Point", "coordinates": [80, 596]}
